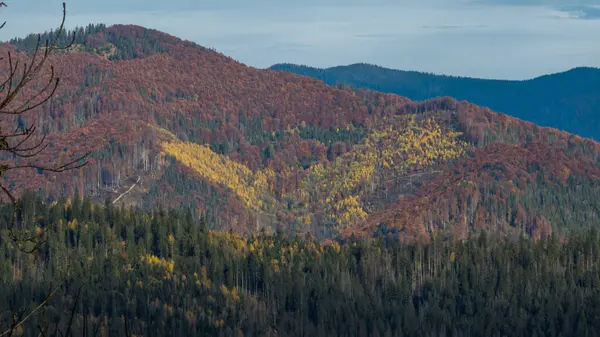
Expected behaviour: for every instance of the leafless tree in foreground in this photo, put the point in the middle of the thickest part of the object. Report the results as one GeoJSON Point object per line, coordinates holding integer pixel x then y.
{"type": "Point", "coordinates": [21, 144]}
{"type": "Point", "coordinates": [22, 147]}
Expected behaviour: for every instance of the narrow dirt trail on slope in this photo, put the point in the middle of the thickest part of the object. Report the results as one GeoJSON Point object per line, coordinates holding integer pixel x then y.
{"type": "Point", "coordinates": [129, 190]}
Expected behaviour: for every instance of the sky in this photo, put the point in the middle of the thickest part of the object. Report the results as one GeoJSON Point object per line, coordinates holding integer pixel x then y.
{"type": "Point", "coordinates": [504, 39]}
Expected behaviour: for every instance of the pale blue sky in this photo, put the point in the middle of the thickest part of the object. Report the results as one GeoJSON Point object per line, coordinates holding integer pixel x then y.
{"type": "Point", "coordinates": [512, 39]}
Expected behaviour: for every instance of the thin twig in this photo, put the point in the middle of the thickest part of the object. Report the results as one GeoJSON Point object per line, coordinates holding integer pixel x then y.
{"type": "Point", "coordinates": [34, 311]}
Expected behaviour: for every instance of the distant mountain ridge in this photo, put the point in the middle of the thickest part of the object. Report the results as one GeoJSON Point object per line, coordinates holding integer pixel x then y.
{"type": "Point", "coordinates": [568, 101]}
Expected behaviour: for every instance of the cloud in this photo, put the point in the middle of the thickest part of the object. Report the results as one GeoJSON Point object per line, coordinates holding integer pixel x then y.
{"type": "Point", "coordinates": [119, 6]}
{"type": "Point", "coordinates": [582, 12]}
{"type": "Point", "coordinates": [443, 27]}
{"type": "Point", "coordinates": [288, 46]}
{"type": "Point", "coordinates": [375, 36]}
{"type": "Point", "coordinates": [547, 3]}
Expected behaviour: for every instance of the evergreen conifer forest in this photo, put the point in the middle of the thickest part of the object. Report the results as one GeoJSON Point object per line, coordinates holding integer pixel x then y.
{"type": "Point", "coordinates": [166, 273]}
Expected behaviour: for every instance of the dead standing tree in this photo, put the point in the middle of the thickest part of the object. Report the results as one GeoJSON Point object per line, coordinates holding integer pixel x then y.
{"type": "Point", "coordinates": [21, 145]}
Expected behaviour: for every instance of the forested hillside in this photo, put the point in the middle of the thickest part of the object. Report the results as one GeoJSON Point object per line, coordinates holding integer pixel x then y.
{"type": "Point", "coordinates": [568, 101]}
{"type": "Point", "coordinates": [174, 125]}
{"type": "Point", "coordinates": [130, 273]}
{"type": "Point", "coordinates": [223, 200]}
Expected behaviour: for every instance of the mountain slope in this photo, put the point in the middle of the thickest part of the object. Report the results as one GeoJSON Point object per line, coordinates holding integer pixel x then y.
{"type": "Point", "coordinates": [568, 101]}
{"type": "Point", "coordinates": [174, 125]}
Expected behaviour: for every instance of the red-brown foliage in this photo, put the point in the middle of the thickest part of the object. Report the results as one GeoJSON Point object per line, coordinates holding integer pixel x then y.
{"type": "Point", "coordinates": [178, 83]}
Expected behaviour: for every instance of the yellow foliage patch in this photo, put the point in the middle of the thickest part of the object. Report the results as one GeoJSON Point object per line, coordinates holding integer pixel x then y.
{"type": "Point", "coordinates": [153, 260]}
{"type": "Point", "coordinates": [250, 187]}
{"type": "Point", "coordinates": [345, 190]}
{"type": "Point", "coordinates": [395, 148]}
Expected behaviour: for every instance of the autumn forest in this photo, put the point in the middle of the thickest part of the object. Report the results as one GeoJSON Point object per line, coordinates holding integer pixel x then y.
{"type": "Point", "coordinates": [204, 197]}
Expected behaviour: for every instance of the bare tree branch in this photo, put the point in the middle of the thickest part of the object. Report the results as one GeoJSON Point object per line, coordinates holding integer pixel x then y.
{"type": "Point", "coordinates": [24, 147]}
{"type": "Point", "coordinates": [23, 144]}
{"type": "Point", "coordinates": [18, 320]}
